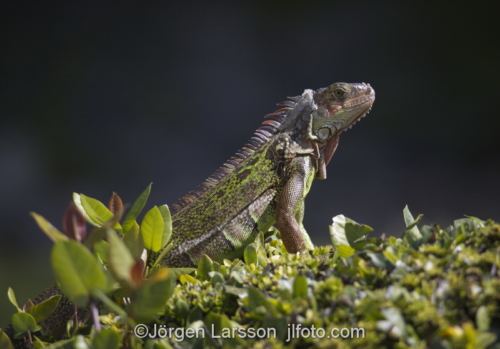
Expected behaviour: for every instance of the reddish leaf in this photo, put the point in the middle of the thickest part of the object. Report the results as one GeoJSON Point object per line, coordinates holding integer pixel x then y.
{"type": "Point", "coordinates": [432, 238]}
{"type": "Point", "coordinates": [115, 203]}
{"type": "Point", "coordinates": [137, 272]}
{"type": "Point", "coordinates": [28, 304]}
{"type": "Point", "coordinates": [74, 223]}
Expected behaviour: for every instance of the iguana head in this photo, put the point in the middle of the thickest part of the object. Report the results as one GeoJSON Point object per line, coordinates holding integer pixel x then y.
{"type": "Point", "coordinates": [335, 108]}
{"type": "Point", "coordinates": [338, 107]}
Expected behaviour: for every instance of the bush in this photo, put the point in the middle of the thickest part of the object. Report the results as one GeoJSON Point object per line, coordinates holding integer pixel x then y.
{"type": "Point", "coordinates": [431, 288]}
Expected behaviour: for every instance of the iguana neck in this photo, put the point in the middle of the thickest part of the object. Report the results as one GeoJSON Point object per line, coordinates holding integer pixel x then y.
{"type": "Point", "coordinates": [264, 136]}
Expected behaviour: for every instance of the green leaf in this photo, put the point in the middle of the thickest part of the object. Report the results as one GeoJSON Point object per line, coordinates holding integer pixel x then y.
{"type": "Point", "coordinates": [185, 278]}
{"type": "Point", "coordinates": [167, 221]}
{"type": "Point", "coordinates": [356, 232]}
{"type": "Point", "coordinates": [98, 294]}
{"type": "Point", "coordinates": [390, 257]}
{"type": "Point", "coordinates": [345, 251]}
{"type": "Point", "coordinates": [345, 231]}
{"type": "Point", "coordinates": [24, 322]}
{"type": "Point", "coordinates": [107, 338]}
{"type": "Point", "coordinates": [474, 222]}
{"type": "Point", "coordinates": [119, 259]}
{"type": "Point", "coordinates": [380, 260]}
{"type": "Point", "coordinates": [181, 309]}
{"type": "Point", "coordinates": [79, 343]}
{"type": "Point", "coordinates": [42, 310]}
{"type": "Point", "coordinates": [300, 286]}
{"type": "Point", "coordinates": [37, 343]}
{"type": "Point", "coordinates": [49, 230]}
{"type": "Point", "coordinates": [96, 235]}
{"type": "Point", "coordinates": [412, 233]}
{"type": "Point", "coordinates": [483, 319]}
{"type": "Point", "coordinates": [64, 344]}
{"type": "Point", "coordinates": [77, 200]}
{"type": "Point", "coordinates": [12, 298]}
{"type": "Point", "coordinates": [394, 323]}
{"type": "Point", "coordinates": [279, 324]}
{"type": "Point", "coordinates": [153, 295]}
{"type": "Point", "coordinates": [217, 278]}
{"type": "Point", "coordinates": [101, 249]}
{"type": "Point", "coordinates": [152, 227]}
{"type": "Point", "coordinates": [250, 254]}
{"type": "Point", "coordinates": [177, 272]}
{"type": "Point", "coordinates": [97, 211]}
{"type": "Point", "coordinates": [415, 222]}
{"type": "Point", "coordinates": [136, 209]}
{"type": "Point", "coordinates": [77, 271]}
{"type": "Point", "coordinates": [205, 266]}
{"type": "Point", "coordinates": [133, 240]}
{"type": "Point", "coordinates": [255, 298]}
{"type": "Point", "coordinates": [485, 339]}
{"type": "Point", "coordinates": [237, 291]}
{"type": "Point", "coordinates": [163, 253]}
{"type": "Point", "coordinates": [195, 314]}
{"type": "Point", "coordinates": [259, 241]}
{"type": "Point", "coordinates": [5, 342]}
{"type": "Point", "coordinates": [222, 326]}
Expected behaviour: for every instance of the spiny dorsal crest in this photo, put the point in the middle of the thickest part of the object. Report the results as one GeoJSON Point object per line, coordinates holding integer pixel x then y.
{"type": "Point", "coordinates": [261, 136]}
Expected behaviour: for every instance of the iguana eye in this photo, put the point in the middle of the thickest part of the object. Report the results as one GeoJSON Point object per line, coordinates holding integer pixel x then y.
{"type": "Point", "coordinates": [324, 133]}
{"type": "Point", "coordinates": [339, 92]}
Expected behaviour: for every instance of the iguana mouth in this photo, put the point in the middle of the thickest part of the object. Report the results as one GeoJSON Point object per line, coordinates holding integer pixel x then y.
{"type": "Point", "coordinates": [368, 98]}
{"type": "Point", "coordinates": [355, 103]}
{"type": "Point", "coordinates": [362, 115]}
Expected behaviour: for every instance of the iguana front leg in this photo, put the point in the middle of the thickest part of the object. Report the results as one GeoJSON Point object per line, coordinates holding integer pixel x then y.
{"type": "Point", "coordinates": [290, 205]}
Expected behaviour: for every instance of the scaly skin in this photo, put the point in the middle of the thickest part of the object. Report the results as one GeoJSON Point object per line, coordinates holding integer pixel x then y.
{"type": "Point", "coordinates": [264, 183]}
{"type": "Point", "coordinates": [268, 180]}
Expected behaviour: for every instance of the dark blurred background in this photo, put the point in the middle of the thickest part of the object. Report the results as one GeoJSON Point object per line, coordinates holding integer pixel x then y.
{"type": "Point", "coordinates": [102, 98]}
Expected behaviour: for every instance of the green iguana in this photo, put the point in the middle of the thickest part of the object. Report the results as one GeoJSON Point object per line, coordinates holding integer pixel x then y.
{"type": "Point", "coordinates": [265, 183]}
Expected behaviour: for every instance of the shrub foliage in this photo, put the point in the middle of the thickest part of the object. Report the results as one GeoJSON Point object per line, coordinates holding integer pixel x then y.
{"type": "Point", "coordinates": [431, 288]}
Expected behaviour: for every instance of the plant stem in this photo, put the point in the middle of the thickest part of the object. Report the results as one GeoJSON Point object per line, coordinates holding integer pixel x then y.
{"type": "Point", "coordinates": [95, 316]}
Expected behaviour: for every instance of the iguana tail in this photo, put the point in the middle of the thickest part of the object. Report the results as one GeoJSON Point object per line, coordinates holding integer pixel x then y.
{"type": "Point", "coordinates": [55, 324]}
